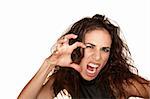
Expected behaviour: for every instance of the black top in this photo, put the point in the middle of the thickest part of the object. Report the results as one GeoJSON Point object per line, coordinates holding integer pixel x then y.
{"type": "Point", "coordinates": [92, 90]}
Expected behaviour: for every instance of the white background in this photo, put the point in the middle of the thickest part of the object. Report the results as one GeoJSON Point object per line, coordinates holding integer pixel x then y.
{"type": "Point", "coordinates": [28, 29]}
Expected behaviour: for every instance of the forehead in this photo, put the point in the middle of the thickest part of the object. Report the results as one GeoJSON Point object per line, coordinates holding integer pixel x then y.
{"type": "Point", "coordinates": [100, 36]}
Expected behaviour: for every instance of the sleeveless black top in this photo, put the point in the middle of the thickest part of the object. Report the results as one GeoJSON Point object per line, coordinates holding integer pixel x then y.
{"type": "Point", "coordinates": [92, 90]}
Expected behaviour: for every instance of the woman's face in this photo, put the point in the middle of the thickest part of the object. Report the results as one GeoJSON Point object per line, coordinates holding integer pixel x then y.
{"type": "Point", "coordinates": [96, 53]}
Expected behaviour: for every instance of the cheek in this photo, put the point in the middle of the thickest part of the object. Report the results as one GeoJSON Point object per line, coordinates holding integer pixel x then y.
{"type": "Point", "coordinates": [105, 58]}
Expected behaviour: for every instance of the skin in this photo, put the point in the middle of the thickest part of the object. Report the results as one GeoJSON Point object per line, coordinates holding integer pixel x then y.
{"type": "Point", "coordinates": [62, 56]}
{"type": "Point", "coordinates": [98, 44]}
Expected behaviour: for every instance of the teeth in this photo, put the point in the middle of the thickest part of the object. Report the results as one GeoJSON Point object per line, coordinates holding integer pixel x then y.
{"type": "Point", "coordinates": [93, 65]}
{"type": "Point", "coordinates": [93, 71]}
{"type": "Point", "coordinates": [92, 68]}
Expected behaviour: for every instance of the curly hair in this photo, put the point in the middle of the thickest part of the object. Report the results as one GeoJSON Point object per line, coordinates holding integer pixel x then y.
{"type": "Point", "coordinates": [118, 69]}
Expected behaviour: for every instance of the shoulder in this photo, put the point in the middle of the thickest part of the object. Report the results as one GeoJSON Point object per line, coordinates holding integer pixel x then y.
{"type": "Point", "coordinates": [137, 86]}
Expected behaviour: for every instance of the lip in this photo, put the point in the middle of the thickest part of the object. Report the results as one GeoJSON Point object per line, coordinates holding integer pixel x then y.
{"type": "Point", "coordinates": [94, 65]}
{"type": "Point", "coordinates": [89, 73]}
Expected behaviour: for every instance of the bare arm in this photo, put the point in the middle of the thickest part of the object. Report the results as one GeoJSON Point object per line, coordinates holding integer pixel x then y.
{"type": "Point", "coordinates": [61, 57]}
{"type": "Point", "coordinates": [31, 90]}
{"type": "Point", "coordinates": [138, 89]}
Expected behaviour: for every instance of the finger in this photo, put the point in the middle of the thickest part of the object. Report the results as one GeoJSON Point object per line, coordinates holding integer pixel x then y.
{"type": "Point", "coordinates": [59, 96]}
{"type": "Point", "coordinates": [76, 67]}
{"type": "Point", "coordinates": [55, 55]}
{"type": "Point", "coordinates": [56, 52]}
{"type": "Point", "coordinates": [62, 94]}
{"type": "Point", "coordinates": [65, 39]}
{"type": "Point", "coordinates": [77, 44]}
{"type": "Point", "coordinates": [61, 41]}
{"type": "Point", "coordinates": [65, 92]}
{"type": "Point", "coordinates": [69, 36]}
{"type": "Point", "coordinates": [66, 95]}
{"type": "Point", "coordinates": [55, 98]}
{"type": "Point", "coordinates": [57, 49]}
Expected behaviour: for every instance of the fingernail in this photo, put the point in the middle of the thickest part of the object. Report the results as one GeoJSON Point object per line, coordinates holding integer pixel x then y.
{"type": "Point", "coordinates": [75, 36]}
{"type": "Point", "coordinates": [56, 52]}
{"type": "Point", "coordinates": [65, 39]}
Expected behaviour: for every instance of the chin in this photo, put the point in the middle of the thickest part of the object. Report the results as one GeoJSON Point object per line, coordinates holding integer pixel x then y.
{"type": "Point", "coordinates": [88, 78]}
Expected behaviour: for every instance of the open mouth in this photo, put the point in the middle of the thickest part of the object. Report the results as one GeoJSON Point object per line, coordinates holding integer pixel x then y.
{"type": "Point", "coordinates": [92, 67]}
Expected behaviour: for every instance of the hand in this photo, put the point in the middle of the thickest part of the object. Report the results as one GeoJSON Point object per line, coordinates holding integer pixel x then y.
{"type": "Point", "coordinates": [63, 94]}
{"type": "Point", "coordinates": [62, 54]}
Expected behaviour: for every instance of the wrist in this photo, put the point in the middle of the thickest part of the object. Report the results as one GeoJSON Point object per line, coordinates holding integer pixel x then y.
{"type": "Point", "coordinates": [53, 68]}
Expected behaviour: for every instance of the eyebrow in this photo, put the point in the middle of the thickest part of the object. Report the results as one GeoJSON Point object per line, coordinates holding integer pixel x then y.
{"type": "Point", "coordinates": [90, 44]}
{"type": "Point", "coordinates": [95, 45]}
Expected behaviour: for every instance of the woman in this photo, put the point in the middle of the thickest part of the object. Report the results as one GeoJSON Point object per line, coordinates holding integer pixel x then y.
{"type": "Point", "coordinates": [90, 61]}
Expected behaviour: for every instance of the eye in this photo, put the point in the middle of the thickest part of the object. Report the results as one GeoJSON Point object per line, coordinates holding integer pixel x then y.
{"type": "Point", "coordinates": [105, 49]}
{"type": "Point", "coordinates": [89, 46]}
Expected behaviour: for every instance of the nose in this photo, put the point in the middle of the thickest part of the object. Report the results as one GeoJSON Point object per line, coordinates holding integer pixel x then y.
{"type": "Point", "coordinates": [97, 55]}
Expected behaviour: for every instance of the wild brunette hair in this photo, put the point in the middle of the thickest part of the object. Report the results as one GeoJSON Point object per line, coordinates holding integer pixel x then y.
{"type": "Point", "coordinates": [117, 69]}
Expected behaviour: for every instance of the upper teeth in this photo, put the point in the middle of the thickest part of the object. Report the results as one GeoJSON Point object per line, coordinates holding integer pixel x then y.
{"type": "Point", "coordinates": [93, 65]}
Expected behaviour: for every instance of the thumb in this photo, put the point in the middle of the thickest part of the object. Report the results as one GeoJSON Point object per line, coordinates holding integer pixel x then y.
{"type": "Point", "coordinates": [76, 67]}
